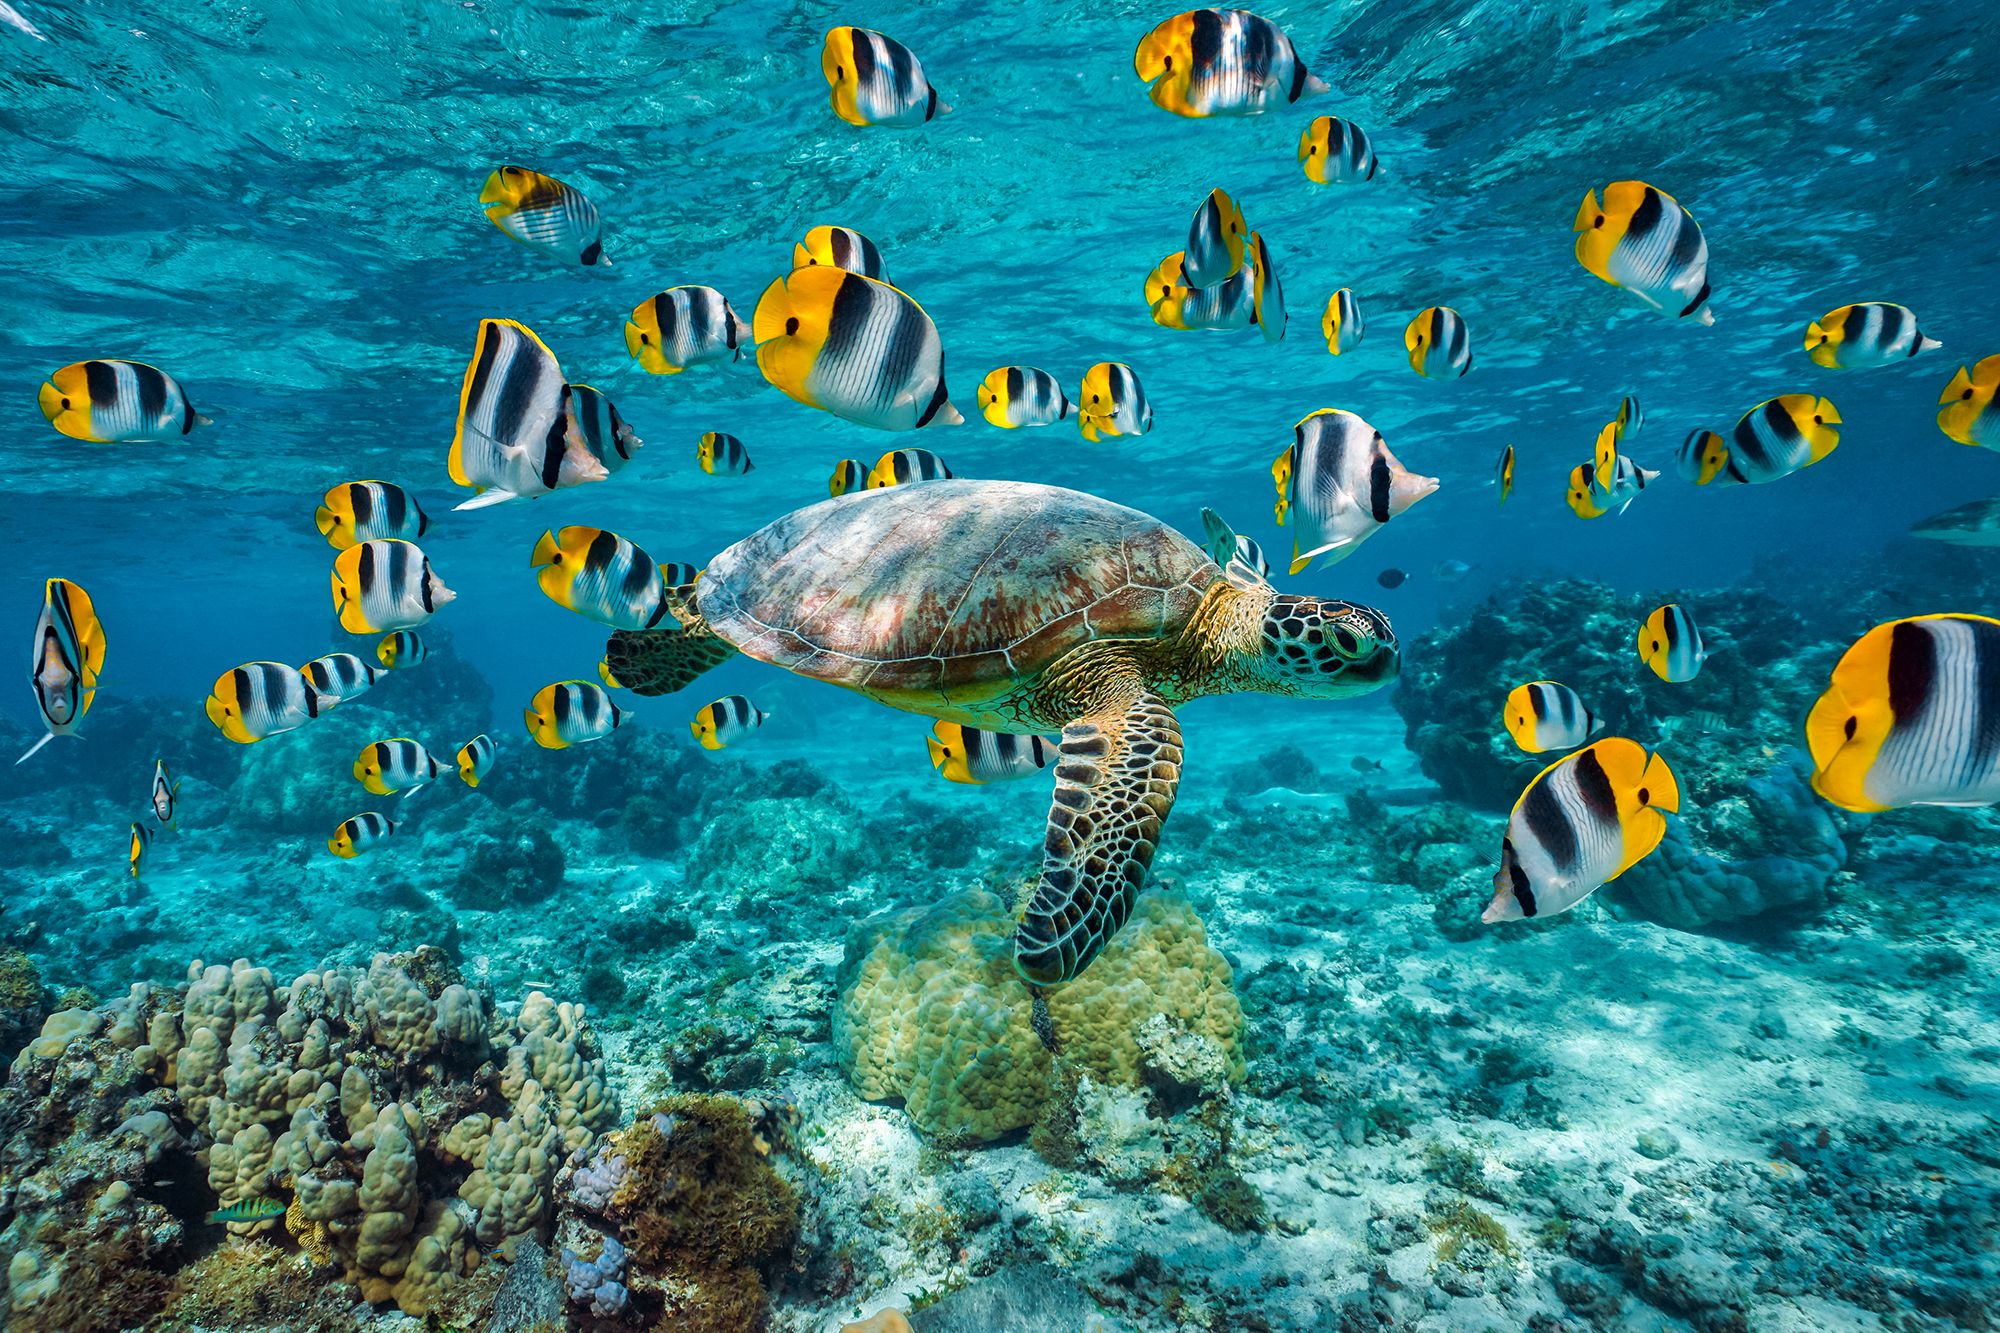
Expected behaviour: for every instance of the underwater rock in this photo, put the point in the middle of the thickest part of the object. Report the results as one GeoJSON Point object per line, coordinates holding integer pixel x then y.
{"type": "Point", "coordinates": [691, 1200]}
{"type": "Point", "coordinates": [778, 849]}
{"type": "Point", "coordinates": [1027, 1296]}
{"type": "Point", "coordinates": [508, 863]}
{"type": "Point", "coordinates": [932, 1011]}
{"type": "Point", "coordinates": [22, 1001]}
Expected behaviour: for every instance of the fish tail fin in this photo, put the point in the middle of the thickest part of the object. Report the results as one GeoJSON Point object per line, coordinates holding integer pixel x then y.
{"type": "Point", "coordinates": [201, 420]}
{"type": "Point", "coordinates": [1926, 343]}
{"type": "Point", "coordinates": [1314, 85]}
{"type": "Point", "coordinates": [36, 746]}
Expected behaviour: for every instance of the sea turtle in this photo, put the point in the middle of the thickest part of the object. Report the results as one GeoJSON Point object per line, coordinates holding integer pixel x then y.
{"type": "Point", "coordinates": [1022, 608]}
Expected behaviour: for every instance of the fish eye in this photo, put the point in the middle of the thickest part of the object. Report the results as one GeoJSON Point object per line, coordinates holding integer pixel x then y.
{"type": "Point", "coordinates": [1850, 727]}
{"type": "Point", "coordinates": [1818, 422]}
{"type": "Point", "coordinates": [1645, 795]}
{"type": "Point", "coordinates": [1167, 62]}
{"type": "Point", "coordinates": [645, 340]}
{"type": "Point", "coordinates": [1968, 394]}
{"type": "Point", "coordinates": [791, 326]}
{"type": "Point", "coordinates": [1599, 222]}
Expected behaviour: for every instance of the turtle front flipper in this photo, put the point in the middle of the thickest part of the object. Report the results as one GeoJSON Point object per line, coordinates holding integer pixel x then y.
{"type": "Point", "coordinates": [660, 661]}
{"type": "Point", "coordinates": [1115, 783]}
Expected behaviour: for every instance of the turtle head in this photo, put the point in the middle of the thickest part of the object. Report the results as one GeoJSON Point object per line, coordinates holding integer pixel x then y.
{"type": "Point", "coordinates": [1318, 648]}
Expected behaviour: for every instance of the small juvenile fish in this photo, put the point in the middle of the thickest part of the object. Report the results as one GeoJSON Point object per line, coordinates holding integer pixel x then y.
{"type": "Point", "coordinates": [386, 585]}
{"type": "Point", "coordinates": [1593, 494]}
{"type": "Point", "coordinates": [117, 402]}
{"type": "Point", "coordinates": [1333, 151]}
{"type": "Point", "coordinates": [475, 759]}
{"type": "Point", "coordinates": [354, 836]}
{"type": "Point", "coordinates": [1439, 344]}
{"type": "Point", "coordinates": [1975, 524]}
{"type": "Point", "coordinates": [975, 757]}
{"type": "Point", "coordinates": [1450, 571]}
{"type": "Point", "coordinates": [1704, 721]}
{"type": "Point", "coordinates": [571, 712]}
{"type": "Point", "coordinates": [1392, 578]}
{"type": "Point", "coordinates": [1780, 436]}
{"type": "Point", "coordinates": [1702, 457]}
{"type": "Point", "coordinates": [544, 214]}
{"type": "Point", "coordinates": [1910, 717]}
{"type": "Point", "coordinates": [1216, 239]}
{"type": "Point", "coordinates": [900, 467]}
{"type": "Point", "coordinates": [1342, 323]}
{"type": "Point", "coordinates": [1112, 402]}
{"type": "Point", "coordinates": [1229, 304]}
{"type": "Point", "coordinates": [138, 845]}
{"type": "Point", "coordinates": [1871, 333]}
{"type": "Point", "coordinates": [1361, 763]}
{"type": "Point", "coordinates": [1547, 715]}
{"type": "Point", "coordinates": [1503, 473]}
{"type": "Point", "coordinates": [849, 474]}
{"type": "Point", "coordinates": [1015, 396]}
{"type": "Point", "coordinates": [64, 664]}
{"type": "Point", "coordinates": [1582, 822]}
{"type": "Point", "coordinates": [1967, 413]}
{"type": "Point", "coordinates": [339, 677]}
{"type": "Point", "coordinates": [840, 247]}
{"type": "Point", "coordinates": [1641, 239]}
{"type": "Point", "coordinates": [1252, 554]}
{"type": "Point", "coordinates": [721, 455]}
{"type": "Point", "coordinates": [164, 798]}
{"type": "Point", "coordinates": [601, 575]}
{"type": "Point", "coordinates": [854, 347]}
{"type": "Point", "coordinates": [397, 764]}
{"type": "Point", "coordinates": [1341, 485]}
{"type": "Point", "coordinates": [401, 650]}
{"type": "Point", "coordinates": [360, 511]}
{"type": "Point", "coordinates": [1671, 644]}
{"type": "Point", "coordinates": [725, 721]}
{"type": "Point", "coordinates": [683, 327]}
{"type": "Point", "coordinates": [518, 434]}
{"type": "Point", "coordinates": [1222, 62]}
{"type": "Point", "coordinates": [260, 699]}
{"type": "Point", "coordinates": [607, 437]}
{"type": "Point", "coordinates": [1267, 309]}
{"type": "Point", "coordinates": [876, 80]}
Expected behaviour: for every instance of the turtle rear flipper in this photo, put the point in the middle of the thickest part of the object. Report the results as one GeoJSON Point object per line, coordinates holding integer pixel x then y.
{"type": "Point", "coordinates": [1115, 783]}
{"type": "Point", "coordinates": [660, 661]}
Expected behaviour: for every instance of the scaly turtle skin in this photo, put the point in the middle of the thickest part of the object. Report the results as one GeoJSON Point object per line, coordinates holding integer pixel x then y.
{"type": "Point", "coordinates": [1022, 608]}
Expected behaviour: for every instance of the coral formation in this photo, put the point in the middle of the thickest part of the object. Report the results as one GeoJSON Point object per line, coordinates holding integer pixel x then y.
{"type": "Point", "coordinates": [22, 1003]}
{"type": "Point", "coordinates": [932, 1011]}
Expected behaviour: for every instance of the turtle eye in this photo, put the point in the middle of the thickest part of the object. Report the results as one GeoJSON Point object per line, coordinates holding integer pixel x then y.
{"type": "Point", "coordinates": [1346, 640]}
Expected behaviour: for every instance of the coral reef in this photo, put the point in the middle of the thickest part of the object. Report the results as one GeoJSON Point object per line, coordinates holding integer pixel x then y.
{"type": "Point", "coordinates": [932, 1011]}
{"type": "Point", "coordinates": [407, 1128]}
{"type": "Point", "coordinates": [686, 1215]}
{"type": "Point", "coordinates": [22, 1002]}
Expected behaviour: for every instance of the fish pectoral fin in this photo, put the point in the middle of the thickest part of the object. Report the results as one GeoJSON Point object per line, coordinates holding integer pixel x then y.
{"type": "Point", "coordinates": [1118, 769]}
{"type": "Point", "coordinates": [487, 499]}
{"type": "Point", "coordinates": [29, 752]}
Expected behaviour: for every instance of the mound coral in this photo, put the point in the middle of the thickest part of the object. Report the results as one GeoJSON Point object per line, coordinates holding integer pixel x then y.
{"type": "Point", "coordinates": [407, 1128]}
{"type": "Point", "coordinates": [931, 1010]}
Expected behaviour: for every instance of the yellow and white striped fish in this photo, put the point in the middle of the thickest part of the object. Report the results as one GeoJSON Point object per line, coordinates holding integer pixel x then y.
{"type": "Point", "coordinates": [517, 434]}
{"type": "Point", "coordinates": [1222, 62]}
{"type": "Point", "coordinates": [683, 327]}
{"type": "Point", "coordinates": [854, 347]}
{"type": "Point", "coordinates": [544, 214]}
{"type": "Point", "coordinates": [1342, 323]}
{"type": "Point", "coordinates": [386, 585]}
{"type": "Point", "coordinates": [876, 80]}
{"type": "Point", "coordinates": [1548, 715]}
{"type": "Point", "coordinates": [974, 757]}
{"type": "Point", "coordinates": [1671, 644]}
{"type": "Point", "coordinates": [1702, 457]}
{"type": "Point", "coordinates": [1641, 239]}
{"type": "Point", "coordinates": [849, 474]}
{"type": "Point", "coordinates": [1217, 240]}
{"type": "Point", "coordinates": [721, 455]}
{"type": "Point", "coordinates": [401, 650]}
{"type": "Point", "coordinates": [1912, 717]}
{"type": "Point", "coordinates": [106, 402]}
{"type": "Point", "coordinates": [726, 721]}
{"type": "Point", "coordinates": [1229, 304]}
{"type": "Point", "coordinates": [1439, 343]}
{"type": "Point", "coordinates": [1015, 396]}
{"type": "Point", "coordinates": [1868, 334]}
{"type": "Point", "coordinates": [1111, 401]}
{"type": "Point", "coordinates": [900, 467]}
{"type": "Point", "coordinates": [359, 834]}
{"type": "Point", "coordinates": [475, 759]}
{"type": "Point", "coordinates": [66, 659]}
{"type": "Point", "coordinates": [571, 712]}
{"type": "Point", "coordinates": [339, 677]}
{"type": "Point", "coordinates": [360, 511]}
{"type": "Point", "coordinates": [138, 845]}
{"type": "Point", "coordinates": [1503, 473]}
{"type": "Point", "coordinates": [601, 575]}
{"type": "Point", "coordinates": [1630, 417]}
{"type": "Point", "coordinates": [1267, 295]}
{"type": "Point", "coordinates": [842, 248]}
{"type": "Point", "coordinates": [607, 436]}
{"type": "Point", "coordinates": [163, 798]}
{"type": "Point", "coordinates": [397, 764]}
{"type": "Point", "coordinates": [1779, 437]}
{"type": "Point", "coordinates": [1967, 414]}
{"type": "Point", "coordinates": [1585, 820]}
{"type": "Point", "coordinates": [260, 699]}
{"type": "Point", "coordinates": [1333, 151]}
{"type": "Point", "coordinates": [1338, 485]}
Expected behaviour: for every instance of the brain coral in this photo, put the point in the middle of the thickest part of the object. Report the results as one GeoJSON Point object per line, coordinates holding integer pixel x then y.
{"type": "Point", "coordinates": [932, 1011]}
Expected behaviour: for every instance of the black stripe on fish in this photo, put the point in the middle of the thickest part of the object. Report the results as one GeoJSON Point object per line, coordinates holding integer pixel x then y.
{"type": "Point", "coordinates": [1912, 669]}
{"type": "Point", "coordinates": [1593, 784]}
{"type": "Point", "coordinates": [555, 443]}
{"type": "Point", "coordinates": [1986, 694]}
{"type": "Point", "coordinates": [1205, 43]}
{"type": "Point", "coordinates": [1543, 816]}
{"type": "Point", "coordinates": [152, 386]}
{"type": "Point", "coordinates": [939, 397]}
{"type": "Point", "coordinates": [1538, 699]}
{"type": "Point", "coordinates": [1647, 216]}
{"type": "Point", "coordinates": [100, 382]}
{"type": "Point", "coordinates": [1378, 487]}
{"type": "Point", "coordinates": [361, 499]}
{"type": "Point", "coordinates": [1524, 892]}
{"type": "Point", "coordinates": [1699, 298]}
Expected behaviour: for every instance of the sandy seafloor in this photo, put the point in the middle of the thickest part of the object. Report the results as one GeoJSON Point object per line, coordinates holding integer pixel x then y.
{"type": "Point", "coordinates": [1792, 1129]}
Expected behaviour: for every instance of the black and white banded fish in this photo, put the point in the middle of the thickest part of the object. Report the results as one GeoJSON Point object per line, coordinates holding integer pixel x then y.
{"type": "Point", "coordinates": [1342, 323]}
{"type": "Point", "coordinates": [571, 712]}
{"type": "Point", "coordinates": [1339, 484]}
{"type": "Point", "coordinates": [722, 455]}
{"type": "Point", "coordinates": [1702, 457]}
{"type": "Point", "coordinates": [1867, 334]}
{"type": "Point", "coordinates": [260, 699]}
{"type": "Point", "coordinates": [849, 474]}
{"type": "Point", "coordinates": [360, 511]}
{"type": "Point", "coordinates": [138, 845]}
{"type": "Point", "coordinates": [163, 798]}
{"type": "Point", "coordinates": [1112, 402]}
{"type": "Point", "coordinates": [601, 575]}
{"type": "Point", "coordinates": [544, 214]}
{"type": "Point", "coordinates": [1333, 151]}
{"type": "Point", "coordinates": [517, 433]}
{"type": "Point", "coordinates": [974, 757]}
{"type": "Point", "coordinates": [1267, 303]}
{"type": "Point", "coordinates": [386, 585]}
{"type": "Point", "coordinates": [1217, 240]}
{"type": "Point", "coordinates": [107, 402]}
{"type": "Point", "coordinates": [682, 327]}
{"type": "Point", "coordinates": [65, 661]}
{"type": "Point", "coordinates": [475, 758]}
{"type": "Point", "coordinates": [607, 436]}
{"type": "Point", "coordinates": [397, 764]}
{"type": "Point", "coordinates": [900, 467]}
{"type": "Point", "coordinates": [1015, 396]}
{"type": "Point", "coordinates": [1779, 437]}
{"type": "Point", "coordinates": [401, 650]}
{"type": "Point", "coordinates": [854, 347]}
{"type": "Point", "coordinates": [1439, 343]}
{"type": "Point", "coordinates": [1582, 822]}
{"type": "Point", "coordinates": [1547, 715]}
{"type": "Point", "coordinates": [725, 721]}
{"type": "Point", "coordinates": [1641, 239]}
{"type": "Point", "coordinates": [340, 676]}
{"type": "Point", "coordinates": [843, 248]}
{"type": "Point", "coordinates": [1229, 304]}
{"type": "Point", "coordinates": [876, 80]}
{"type": "Point", "coordinates": [360, 834]}
{"type": "Point", "coordinates": [1671, 643]}
{"type": "Point", "coordinates": [1222, 62]}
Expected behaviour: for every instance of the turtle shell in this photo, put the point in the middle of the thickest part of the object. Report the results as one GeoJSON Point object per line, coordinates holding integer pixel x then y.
{"type": "Point", "coordinates": [949, 587]}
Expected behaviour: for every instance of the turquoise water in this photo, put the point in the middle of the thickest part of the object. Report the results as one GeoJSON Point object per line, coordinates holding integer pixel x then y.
{"type": "Point", "coordinates": [278, 205]}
